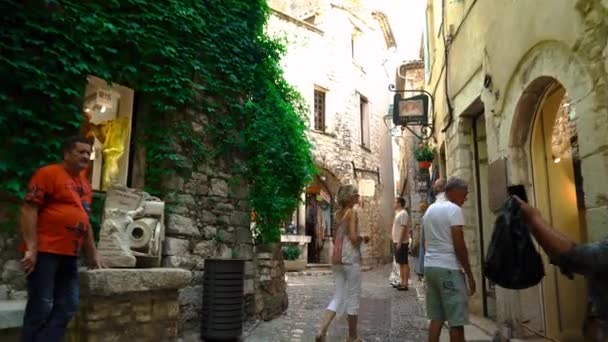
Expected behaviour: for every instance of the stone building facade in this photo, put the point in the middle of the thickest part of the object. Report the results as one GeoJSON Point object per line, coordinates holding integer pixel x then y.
{"type": "Point", "coordinates": [512, 68]}
{"type": "Point", "coordinates": [338, 58]}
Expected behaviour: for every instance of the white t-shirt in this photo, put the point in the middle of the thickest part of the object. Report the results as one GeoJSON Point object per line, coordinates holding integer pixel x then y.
{"type": "Point", "coordinates": [438, 220]}
{"type": "Point", "coordinates": [400, 220]}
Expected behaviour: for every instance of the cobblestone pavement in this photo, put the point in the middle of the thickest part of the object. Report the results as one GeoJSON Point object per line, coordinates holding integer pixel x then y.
{"type": "Point", "coordinates": [385, 314]}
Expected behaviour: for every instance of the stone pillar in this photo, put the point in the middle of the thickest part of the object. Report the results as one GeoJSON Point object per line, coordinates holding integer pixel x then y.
{"type": "Point", "coordinates": [130, 305]}
{"type": "Point", "coordinates": [461, 165]}
{"type": "Point", "coordinates": [271, 291]}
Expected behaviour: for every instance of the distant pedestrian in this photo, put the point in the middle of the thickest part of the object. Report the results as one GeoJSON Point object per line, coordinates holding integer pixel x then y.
{"type": "Point", "coordinates": [55, 225]}
{"type": "Point", "coordinates": [445, 258]}
{"type": "Point", "coordinates": [419, 268]}
{"type": "Point", "coordinates": [401, 236]}
{"type": "Point", "coordinates": [346, 265]}
{"type": "Point", "coordinates": [439, 189]}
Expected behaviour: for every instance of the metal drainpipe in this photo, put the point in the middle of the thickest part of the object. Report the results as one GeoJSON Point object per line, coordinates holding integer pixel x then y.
{"type": "Point", "coordinates": [480, 215]}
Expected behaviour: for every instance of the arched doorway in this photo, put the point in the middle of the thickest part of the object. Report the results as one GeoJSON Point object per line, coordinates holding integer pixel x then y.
{"type": "Point", "coordinates": [319, 206]}
{"type": "Point", "coordinates": [557, 185]}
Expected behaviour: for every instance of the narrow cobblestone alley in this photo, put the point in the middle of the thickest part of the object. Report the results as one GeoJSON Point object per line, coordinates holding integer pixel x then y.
{"type": "Point", "coordinates": [385, 315]}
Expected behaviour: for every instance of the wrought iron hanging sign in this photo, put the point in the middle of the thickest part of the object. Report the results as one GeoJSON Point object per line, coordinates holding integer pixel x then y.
{"type": "Point", "coordinates": [413, 111]}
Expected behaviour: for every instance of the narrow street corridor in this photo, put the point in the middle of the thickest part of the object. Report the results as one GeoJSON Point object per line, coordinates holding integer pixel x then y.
{"type": "Point", "coordinates": [385, 315]}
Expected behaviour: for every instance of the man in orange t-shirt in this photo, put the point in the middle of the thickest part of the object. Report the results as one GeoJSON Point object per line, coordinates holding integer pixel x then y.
{"type": "Point", "coordinates": [55, 226]}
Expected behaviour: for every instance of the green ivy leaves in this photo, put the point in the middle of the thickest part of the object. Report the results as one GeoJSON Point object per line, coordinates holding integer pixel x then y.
{"type": "Point", "coordinates": [209, 58]}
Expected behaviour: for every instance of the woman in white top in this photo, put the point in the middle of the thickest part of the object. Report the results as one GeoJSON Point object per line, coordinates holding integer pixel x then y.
{"type": "Point", "coordinates": [346, 260]}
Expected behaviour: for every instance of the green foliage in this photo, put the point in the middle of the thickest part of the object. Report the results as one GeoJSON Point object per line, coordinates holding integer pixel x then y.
{"type": "Point", "coordinates": [207, 61]}
{"type": "Point", "coordinates": [424, 153]}
{"type": "Point", "coordinates": [291, 253]}
{"type": "Point", "coordinates": [97, 213]}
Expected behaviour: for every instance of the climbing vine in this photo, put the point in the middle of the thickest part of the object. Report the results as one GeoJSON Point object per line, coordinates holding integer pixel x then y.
{"type": "Point", "coordinates": [184, 59]}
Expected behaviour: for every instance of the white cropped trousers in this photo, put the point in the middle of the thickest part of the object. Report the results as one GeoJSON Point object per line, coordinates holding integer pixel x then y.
{"type": "Point", "coordinates": [348, 289]}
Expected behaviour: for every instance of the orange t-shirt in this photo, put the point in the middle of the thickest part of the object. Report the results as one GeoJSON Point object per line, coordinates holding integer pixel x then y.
{"type": "Point", "coordinates": [64, 204]}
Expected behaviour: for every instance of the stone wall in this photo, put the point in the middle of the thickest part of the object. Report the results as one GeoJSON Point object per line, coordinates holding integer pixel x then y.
{"type": "Point", "coordinates": [12, 278]}
{"type": "Point", "coordinates": [128, 305]}
{"type": "Point", "coordinates": [271, 295]}
{"type": "Point", "coordinates": [208, 217]}
{"type": "Point", "coordinates": [321, 57]}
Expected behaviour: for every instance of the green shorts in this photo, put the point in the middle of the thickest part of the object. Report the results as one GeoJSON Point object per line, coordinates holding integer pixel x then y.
{"type": "Point", "coordinates": [447, 296]}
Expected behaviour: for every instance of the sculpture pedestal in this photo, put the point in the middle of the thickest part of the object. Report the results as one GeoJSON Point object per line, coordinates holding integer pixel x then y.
{"type": "Point", "coordinates": [130, 305]}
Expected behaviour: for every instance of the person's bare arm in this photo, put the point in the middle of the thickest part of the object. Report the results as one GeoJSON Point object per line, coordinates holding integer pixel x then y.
{"type": "Point", "coordinates": [92, 255]}
{"type": "Point", "coordinates": [405, 234]}
{"type": "Point", "coordinates": [29, 218]}
{"type": "Point", "coordinates": [460, 249]}
{"type": "Point", "coordinates": [551, 240]}
{"type": "Point", "coordinates": [28, 221]}
{"type": "Point", "coordinates": [571, 257]}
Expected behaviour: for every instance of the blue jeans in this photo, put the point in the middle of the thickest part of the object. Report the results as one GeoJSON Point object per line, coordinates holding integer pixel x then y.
{"type": "Point", "coordinates": [52, 289]}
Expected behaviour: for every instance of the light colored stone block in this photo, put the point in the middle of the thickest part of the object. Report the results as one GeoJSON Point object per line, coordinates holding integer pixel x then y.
{"type": "Point", "coordinates": [175, 246]}
{"type": "Point", "coordinates": [109, 282]}
{"type": "Point", "coordinates": [219, 187]}
{"type": "Point", "coordinates": [181, 225]}
{"type": "Point", "coordinates": [597, 223]}
{"type": "Point", "coordinates": [11, 313]}
{"type": "Point", "coordinates": [205, 249]}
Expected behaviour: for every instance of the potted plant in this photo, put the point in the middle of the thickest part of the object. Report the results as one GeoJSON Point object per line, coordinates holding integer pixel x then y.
{"type": "Point", "coordinates": [291, 254]}
{"type": "Point", "coordinates": [424, 156]}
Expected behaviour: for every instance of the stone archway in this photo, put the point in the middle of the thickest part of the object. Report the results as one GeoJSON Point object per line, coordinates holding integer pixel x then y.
{"type": "Point", "coordinates": [549, 67]}
{"type": "Point", "coordinates": [544, 64]}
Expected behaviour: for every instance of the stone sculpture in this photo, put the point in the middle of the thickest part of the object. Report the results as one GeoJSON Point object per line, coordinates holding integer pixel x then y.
{"type": "Point", "coordinates": [132, 230]}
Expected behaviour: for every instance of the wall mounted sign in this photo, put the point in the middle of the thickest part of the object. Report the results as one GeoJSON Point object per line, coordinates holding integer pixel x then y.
{"type": "Point", "coordinates": [410, 111]}
{"type": "Point", "coordinates": [367, 187]}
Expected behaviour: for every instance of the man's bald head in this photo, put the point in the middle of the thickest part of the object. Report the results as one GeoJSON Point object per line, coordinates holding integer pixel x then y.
{"type": "Point", "coordinates": [439, 185]}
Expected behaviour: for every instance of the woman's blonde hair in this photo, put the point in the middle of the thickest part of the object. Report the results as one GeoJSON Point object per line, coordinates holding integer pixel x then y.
{"type": "Point", "coordinates": [345, 194]}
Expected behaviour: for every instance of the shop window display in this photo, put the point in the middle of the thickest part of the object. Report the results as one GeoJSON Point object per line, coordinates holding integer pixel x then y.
{"type": "Point", "coordinates": [108, 111]}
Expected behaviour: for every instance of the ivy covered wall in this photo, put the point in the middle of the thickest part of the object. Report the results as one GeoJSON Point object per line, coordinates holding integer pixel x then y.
{"type": "Point", "coordinates": [208, 57]}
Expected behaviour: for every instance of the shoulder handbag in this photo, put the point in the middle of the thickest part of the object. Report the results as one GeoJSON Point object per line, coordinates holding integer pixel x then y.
{"type": "Point", "coordinates": [336, 254]}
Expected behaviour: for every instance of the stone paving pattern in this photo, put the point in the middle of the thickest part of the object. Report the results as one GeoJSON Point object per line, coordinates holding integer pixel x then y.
{"type": "Point", "coordinates": [385, 314]}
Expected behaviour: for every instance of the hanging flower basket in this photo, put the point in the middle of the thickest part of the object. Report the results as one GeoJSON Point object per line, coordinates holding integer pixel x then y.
{"type": "Point", "coordinates": [424, 164]}
{"type": "Point", "coordinates": [424, 156]}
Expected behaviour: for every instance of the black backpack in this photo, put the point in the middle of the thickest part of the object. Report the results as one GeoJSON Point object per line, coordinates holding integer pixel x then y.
{"type": "Point", "coordinates": [513, 261]}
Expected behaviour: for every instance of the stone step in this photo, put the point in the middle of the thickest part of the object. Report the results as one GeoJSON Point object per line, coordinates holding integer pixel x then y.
{"type": "Point", "coordinates": [471, 332]}
{"type": "Point", "coordinates": [11, 313]}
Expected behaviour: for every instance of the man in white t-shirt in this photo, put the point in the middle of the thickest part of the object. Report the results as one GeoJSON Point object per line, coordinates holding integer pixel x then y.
{"type": "Point", "coordinates": [401, 238]}
{"type": "Point", "coordinates": [445, 260]}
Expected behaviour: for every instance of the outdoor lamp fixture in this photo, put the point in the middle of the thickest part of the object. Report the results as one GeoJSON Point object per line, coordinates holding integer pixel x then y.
{"type": "Point", "coordinates": [411, 112]}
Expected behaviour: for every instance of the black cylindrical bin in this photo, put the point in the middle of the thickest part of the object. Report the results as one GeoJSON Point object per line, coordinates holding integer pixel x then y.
{"type": "Point", "coordinates": [223, 300]}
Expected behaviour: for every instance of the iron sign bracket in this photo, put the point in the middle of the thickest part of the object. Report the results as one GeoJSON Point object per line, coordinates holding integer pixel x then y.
{"type": "Point", "coordinates": [426, 129]}
{"type": "Point", "coordinates": [375, 172]}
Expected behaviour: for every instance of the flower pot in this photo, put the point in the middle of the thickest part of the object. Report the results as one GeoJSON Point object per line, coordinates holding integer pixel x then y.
{"type": "Point", "coordinates": [424, 164]}
{"type": "Point", "coordinates": [295, 265]}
